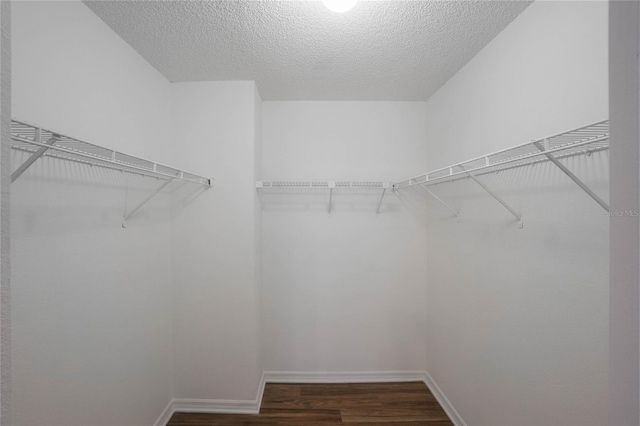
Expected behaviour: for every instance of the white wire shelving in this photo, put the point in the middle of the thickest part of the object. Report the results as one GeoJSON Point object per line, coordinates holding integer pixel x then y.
{"type": "Point", "coordinates": [332, 187]}
{"type": "Point", "coordinates": [39, 142]}
{"type": "Point", "coordinates": [583, 140]}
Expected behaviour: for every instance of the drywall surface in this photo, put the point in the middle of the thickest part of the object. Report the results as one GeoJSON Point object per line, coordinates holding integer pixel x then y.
{"type": "Point", "coordinates": [518, 318]}
{"type": "Point", "coordinates": [5, 185]}
{"type": "Point", "coordinates": [82, 63]}
{"type": "Point", "coordinates": [346, 291]}
{"type": "Point", "coordinates": [257, 221]}
{"type": "Point", "coordinates": [624, 44]}
{"type": "Point", "coordinates": [91, 301]}
{"type": "Point", "coordinates": [214, 234]}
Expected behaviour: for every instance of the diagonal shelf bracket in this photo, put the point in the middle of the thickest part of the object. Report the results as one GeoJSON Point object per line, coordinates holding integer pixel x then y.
{"type": "Point", "coordinates": [385, 186]}
{"type": "Point", "coordinates": [32, 159]}
{"type": "Point", "coordinates": [438, 199]}
{"type": "Point", "coordinates": [380, 200]}
{"type": "Point", "coordinates": [332, 186]}
{"type": "Point", "coordinates": [145, 201]}
{"type": "Point", "coordinates": [496, 196]}
{"type": "Point", "coordinates": [569, 173]}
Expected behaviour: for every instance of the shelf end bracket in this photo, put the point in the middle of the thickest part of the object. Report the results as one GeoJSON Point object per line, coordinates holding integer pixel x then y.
{"type": "Point", "coordinates": [570, 174]}
{"type": "Point", "coordinates": [145, 201]}
{"type": "Point", "coordinates": [496, 196]}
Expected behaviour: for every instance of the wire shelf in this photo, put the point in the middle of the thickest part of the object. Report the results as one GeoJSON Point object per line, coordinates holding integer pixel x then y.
{"type": "Point", "coordinates": [583, 140]}
{"type": "Point", "coordinates": [42, 142]}
{"type": "Point", "coordinates": [320, 186]}
{"type": "Point", "coordinates": [324, 187]}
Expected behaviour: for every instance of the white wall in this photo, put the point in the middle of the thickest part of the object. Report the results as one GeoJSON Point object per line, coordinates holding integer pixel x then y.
{"type": "Point", "coordinates": [214, 236]}
{"type": "Point", "coordinates": [257, 221]}
{"type": "Point", "coordinates": [91, 301]}
{"type": "Point", "coordinates": [624, 44]}
{"type": "Point", "coordinates": [5, 213]}
{"type": "Point", "coordinates": [346, 291]}
{"type": "Point", "coordinates": [518, 318]}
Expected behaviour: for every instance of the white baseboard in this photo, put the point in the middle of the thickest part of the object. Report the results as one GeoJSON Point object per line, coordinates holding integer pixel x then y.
{"type": "Point", "coordinates": [343, 376]}
{"type": "Point", "coordinates": [443, 400]}
{"type": "Point", "coordinates": [192, 405]}
{"type": "Point", "coordinates": [230, 406]}
{"type": "Point", "coordinates": [227, 406]}
{"type": "Point", "coordinates": [165, 416]}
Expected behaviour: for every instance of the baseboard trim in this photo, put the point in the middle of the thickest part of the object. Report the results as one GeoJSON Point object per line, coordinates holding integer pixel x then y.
{"type": "Point", "coordinates": [165, 416]}
{"type": "Point", "coordinates": [343, 376]}
{"type": "Point", "coordinates": [226, 406]}
{"type": "Point", "coordinates": [446, 405]}
{"type": "Point", "coordinates": [230, 406]}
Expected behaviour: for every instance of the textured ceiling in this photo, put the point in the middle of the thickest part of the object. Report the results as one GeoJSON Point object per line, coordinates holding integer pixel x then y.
{"type": "Point", "coordinates": [299, 50]}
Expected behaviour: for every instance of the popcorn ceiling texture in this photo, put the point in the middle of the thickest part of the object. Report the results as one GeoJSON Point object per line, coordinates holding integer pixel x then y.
{"type": "Point", "coordinates": [299, 50]}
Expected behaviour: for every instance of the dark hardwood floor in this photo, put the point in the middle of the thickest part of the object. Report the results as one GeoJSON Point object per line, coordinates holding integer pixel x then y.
{"type": "Point", "coordinates": [398, 404]}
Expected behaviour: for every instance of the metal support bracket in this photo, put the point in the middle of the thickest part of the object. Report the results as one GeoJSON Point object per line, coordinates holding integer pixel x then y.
{"type": "Point", "coordinates": [380, 200]}
{"type": "Point", "coordinates": [332, 186]}
{"type": "Point", "coordinates": [438, 199]}
{"type": "Point", "coordinates": [496, 196]}
{"type": "Point", "coordinates": [24, 166]}
{"type": "Point", "coordinates": [573, 177]}
{"type": "Point", "coordinates": [385, 186]}
{"type": "Point", "coordinates": [145, 201]}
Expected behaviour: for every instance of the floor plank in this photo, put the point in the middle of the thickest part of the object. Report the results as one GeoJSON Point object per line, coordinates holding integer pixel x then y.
{"type": "Point", "coordinates": [359, 404]}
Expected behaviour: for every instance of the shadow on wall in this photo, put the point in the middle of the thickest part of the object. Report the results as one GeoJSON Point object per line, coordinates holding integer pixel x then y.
{"type": "Point", "coordinates": [414, 202]}
{"type": "Point", "coordinates": [184, 194]}
{"type": "Point", "coordinates": [56, 195]}
{"type": "Point", "coordinates": [344, 201]}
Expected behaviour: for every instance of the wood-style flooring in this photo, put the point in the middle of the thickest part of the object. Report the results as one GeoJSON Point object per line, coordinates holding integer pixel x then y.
{"type": "Point", "coordinates": [397, 404]}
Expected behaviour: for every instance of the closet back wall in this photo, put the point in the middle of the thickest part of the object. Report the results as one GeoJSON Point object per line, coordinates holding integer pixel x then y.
{"type": "Point", "coordinates": [91, 301]}
{"type": "Point", "coordinates": [346, 291]}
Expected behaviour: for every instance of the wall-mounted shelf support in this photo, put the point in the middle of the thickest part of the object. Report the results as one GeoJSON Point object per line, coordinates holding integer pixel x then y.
{"type": "Point", "coordinates": [332, 186]}
{"type": "Point", "coordinates": [569, 173]}
{"type": "Point", "coordinates": [496, 196]}
{"type": "Point", "coordinates": [385, 186]}
{"type": "Point", "coordinates": [380, 200]}
{"type": "Point", "coordinates": [435, 197]}
{"type": "Point", "coordinates": [24, 166]}
{"type": "Point", "coordinates": [145, 201]}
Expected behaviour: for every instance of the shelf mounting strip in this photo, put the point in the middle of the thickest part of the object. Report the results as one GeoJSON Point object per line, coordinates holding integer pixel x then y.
{"type": "Point", "coordinates": [28, 138]}
{"type": "Point", "coordinates": [586, 139]}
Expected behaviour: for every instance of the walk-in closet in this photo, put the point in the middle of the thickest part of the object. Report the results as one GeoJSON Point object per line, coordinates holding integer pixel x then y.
{"type": "Point", "coordinates": [222, 212]}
